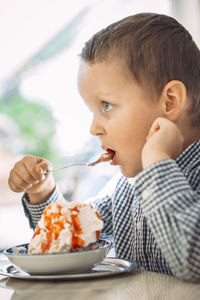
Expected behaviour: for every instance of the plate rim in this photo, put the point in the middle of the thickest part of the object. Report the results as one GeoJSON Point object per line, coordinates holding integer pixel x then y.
{"type": "Point", "coordinates": [130, 265]}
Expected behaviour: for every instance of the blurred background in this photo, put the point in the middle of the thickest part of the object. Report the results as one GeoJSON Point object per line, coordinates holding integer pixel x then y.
{"type": "Point", "coordinates": [41, 112]}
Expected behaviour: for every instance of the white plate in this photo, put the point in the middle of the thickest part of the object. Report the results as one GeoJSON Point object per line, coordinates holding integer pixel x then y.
{"type": "Point", "coordinates": [108, 267]}
{"type": "Point", "coordinates": [58, 263]}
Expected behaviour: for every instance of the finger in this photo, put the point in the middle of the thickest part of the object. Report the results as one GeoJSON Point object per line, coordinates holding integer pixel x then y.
{"type": "Point", "coordinates": [154, 128]}
{"type": "Point", "coordinates": [20, 178]}
{"type": "Point", "coordinates": [30, 164]}
{"type": "Point", "coordinates": [18, 185]}
{"type": "Point", "coordinates": [43, 166]}
{"type": "Point", "coordinates": [22, 171]}
{"type": "Point", "coordinates": [35, 188]}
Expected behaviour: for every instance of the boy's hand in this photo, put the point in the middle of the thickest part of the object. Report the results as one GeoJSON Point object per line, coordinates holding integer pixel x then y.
{"type": "Point", "coordinates": [164, 141]}
{"type": "Point", "coordinates": [27, 176]}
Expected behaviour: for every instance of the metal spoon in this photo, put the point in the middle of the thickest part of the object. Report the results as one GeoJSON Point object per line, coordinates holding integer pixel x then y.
{"type": "Point", "coordinates": [61, 168]}
{"type": "Point", "coordinates": [103, 158]}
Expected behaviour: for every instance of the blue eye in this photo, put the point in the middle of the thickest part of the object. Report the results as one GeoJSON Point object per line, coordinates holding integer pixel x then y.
{"type": "Point", "coordinates": [107, 106]}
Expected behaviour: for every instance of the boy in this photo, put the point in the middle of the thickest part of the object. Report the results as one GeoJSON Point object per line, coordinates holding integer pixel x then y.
{"type": "Point", "coordinates": [140, 77]}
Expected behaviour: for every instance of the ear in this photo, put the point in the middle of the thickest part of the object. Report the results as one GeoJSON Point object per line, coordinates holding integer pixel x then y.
{"type": "Point", "coordinates": [173, 99]}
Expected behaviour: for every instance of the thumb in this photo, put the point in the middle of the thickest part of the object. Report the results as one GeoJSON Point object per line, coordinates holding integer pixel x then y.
{"type": "Point", "coordinates": [154, 128]}
{"type": "Point", "coordinates": [43, 166]}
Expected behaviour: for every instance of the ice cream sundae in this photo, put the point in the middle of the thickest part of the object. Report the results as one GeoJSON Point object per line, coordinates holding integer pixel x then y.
{"type": "Point", "coordinates": [66, 227]}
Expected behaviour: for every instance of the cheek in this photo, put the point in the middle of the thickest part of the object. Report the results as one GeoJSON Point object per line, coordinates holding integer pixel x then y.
{"type": "Point", "coordinates": [131, 131]}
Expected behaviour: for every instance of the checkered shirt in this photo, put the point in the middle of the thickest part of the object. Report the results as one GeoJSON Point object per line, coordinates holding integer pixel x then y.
{"type": "Point", "coordinates": [154, 218]}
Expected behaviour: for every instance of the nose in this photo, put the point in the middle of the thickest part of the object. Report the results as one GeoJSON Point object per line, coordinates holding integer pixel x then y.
{"type": "Point", "coordinates": [96, 127]}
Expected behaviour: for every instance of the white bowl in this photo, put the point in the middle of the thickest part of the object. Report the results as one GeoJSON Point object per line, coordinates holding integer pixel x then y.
{"type": "Point", "coordinates": [58, 263]}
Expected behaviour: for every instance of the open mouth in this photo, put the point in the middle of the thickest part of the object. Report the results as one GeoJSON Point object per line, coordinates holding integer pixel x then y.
{"type": "Point", "coordinates": [104, 157]}
{"type": "Point", "coordinates": [108, 155]}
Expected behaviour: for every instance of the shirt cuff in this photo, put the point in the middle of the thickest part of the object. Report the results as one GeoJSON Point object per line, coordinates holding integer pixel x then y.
{"type": "Point", "coordinates": [159, 185]}
{"type": "Point", "coordinates": [34, 211]}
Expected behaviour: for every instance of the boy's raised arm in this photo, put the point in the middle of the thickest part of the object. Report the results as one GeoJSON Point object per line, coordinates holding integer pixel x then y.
{"type": "Point", "coordinates": [169, 196]}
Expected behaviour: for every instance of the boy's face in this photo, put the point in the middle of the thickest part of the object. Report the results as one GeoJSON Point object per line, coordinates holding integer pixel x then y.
{"type": "Point", "coordinates": [122, 112]}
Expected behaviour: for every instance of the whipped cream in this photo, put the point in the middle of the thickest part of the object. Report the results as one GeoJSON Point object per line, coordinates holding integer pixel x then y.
{"type": "Point", "coordinates": [66, 227]}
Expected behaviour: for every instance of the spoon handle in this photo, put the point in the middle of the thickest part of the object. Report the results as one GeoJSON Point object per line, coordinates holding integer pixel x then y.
{"type": "Point", "coordinates": [71, 165]}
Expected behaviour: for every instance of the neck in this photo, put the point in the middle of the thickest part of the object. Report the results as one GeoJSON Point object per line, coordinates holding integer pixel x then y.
{"type": "Point", "coordinates": [190, 135]}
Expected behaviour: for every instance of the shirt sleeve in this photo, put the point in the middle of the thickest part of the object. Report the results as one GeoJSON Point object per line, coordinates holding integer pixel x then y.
{"type": "Point", "coordinates": [34, 211]}
{"type": "Point", "coordinates": [170, 202]}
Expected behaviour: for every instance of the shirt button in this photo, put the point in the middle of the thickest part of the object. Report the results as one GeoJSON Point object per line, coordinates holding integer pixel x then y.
{"type": "Point", "coordinates": [146, 193]}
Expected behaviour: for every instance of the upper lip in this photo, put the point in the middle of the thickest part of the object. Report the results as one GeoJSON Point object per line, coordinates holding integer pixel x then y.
{"type": "Point", "coordinates": [106, 147]}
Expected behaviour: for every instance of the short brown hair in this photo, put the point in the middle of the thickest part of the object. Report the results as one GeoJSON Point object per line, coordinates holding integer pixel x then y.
{"type": "Point", "coordinates": [156, 49]}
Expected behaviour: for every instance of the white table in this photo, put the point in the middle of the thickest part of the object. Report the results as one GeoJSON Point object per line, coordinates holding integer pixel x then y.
{"type": "Point", "coordinates": [140, 285]}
